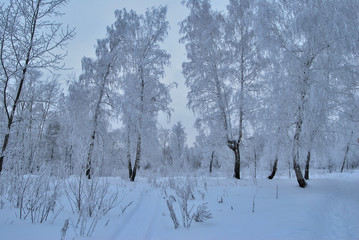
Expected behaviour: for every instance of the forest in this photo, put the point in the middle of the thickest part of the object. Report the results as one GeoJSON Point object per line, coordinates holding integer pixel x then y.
{"type": "Point", "coordinates": [273, 85]}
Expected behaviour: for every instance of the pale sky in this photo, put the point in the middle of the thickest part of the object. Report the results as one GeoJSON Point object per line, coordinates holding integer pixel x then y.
{"type": "Point", "coordinates": [91, 17]}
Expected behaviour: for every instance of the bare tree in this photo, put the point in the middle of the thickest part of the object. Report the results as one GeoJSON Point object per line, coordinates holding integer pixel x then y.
{"type": "Point", "coordinates": [29, 40]}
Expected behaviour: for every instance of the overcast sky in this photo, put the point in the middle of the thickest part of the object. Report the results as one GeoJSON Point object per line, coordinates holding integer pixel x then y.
{"type": "Point", "coordinates": [91, 17]}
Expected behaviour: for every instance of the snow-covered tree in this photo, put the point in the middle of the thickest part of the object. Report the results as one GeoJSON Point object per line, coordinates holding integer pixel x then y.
{"type": "Point", "coordinates": [177, 141]}
{"type": "Point", "coordinates": [98, 76]}
{"type": "Point", "coordinates": [29, 40]}
{"type": "Point", "coordinates": [223, 70]}
{"type": "Point", "coordinates": [305, 34]}
{"type": "Point", "coordinates": [143, 94]}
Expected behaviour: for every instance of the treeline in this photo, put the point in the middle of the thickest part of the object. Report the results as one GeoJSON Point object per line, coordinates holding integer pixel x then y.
{"type": "Point", "coordinates": [274, 84]}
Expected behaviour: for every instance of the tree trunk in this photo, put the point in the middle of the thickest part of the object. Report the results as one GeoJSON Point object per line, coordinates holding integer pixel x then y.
{"type": "Point", "coordinates": [234, 146]}
{"type": "Point", "coordinates": [6, 141]}
{"type": "Point", "coordinates": [11, 116]}
{"type": "Point", "coordinates": [306, 174]}
{"type": "Point", "coordinates": [298, 174]}
{"type": "Point", "coordinates": [139, 138]}
{"type": "Point", "coordinates": [89, 156]}
{"type": "Point", "coordinates": [237, 164]}
{"type": "Point", "coordinates": [274, 170]}
{"type": "Point", "coordinates": [345, 157]}
{"type": "Point", "coordinates": [255, 164]}
{"type": "Point", "coordinates": [95, 121]}
{"type": "Point", "coordinates": [138, 158]}
{"type": "Point", "coordinates": [129, 156]}
{"type": "Point", "coordinates": [211, 163]}
{"type": "Point", "coordinates": [295, 155]}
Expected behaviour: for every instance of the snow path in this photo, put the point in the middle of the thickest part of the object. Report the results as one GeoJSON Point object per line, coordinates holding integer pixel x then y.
{"type": "Point", "coordinates": [139, 221]}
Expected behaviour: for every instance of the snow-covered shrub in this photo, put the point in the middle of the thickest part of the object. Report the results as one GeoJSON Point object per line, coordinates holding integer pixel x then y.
{"type": "Point", "coordinates": [90, 200]}
{"type": "Point", "coordinates": [183, 193]}
{"type": "Point", "coordinates": [36, 196]}
{"type": "Point", "coordinates": [17, 187]}
{"type": "Point", "coordinates": [42, 198]}
{"type": "Point", "coordinates": [202, 213]}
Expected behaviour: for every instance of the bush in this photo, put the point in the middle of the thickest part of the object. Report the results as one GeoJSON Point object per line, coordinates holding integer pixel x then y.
{"type": "Point", "coordinates": [90, 200]}
{"type": "Point", "coordinates": [36, 196]}
{"type": "Point", "coordinates": [183, 194]}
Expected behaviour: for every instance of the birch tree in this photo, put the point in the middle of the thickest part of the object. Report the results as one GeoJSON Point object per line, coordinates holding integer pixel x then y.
{"type": "Point", "coordinates": [223, 70]}
{"type": "Point", "coordinates": [99, 74]}
{"type": "Point", "coordinates": [305, 34]}
{"type": "Point", "coordinates": [143, 94]}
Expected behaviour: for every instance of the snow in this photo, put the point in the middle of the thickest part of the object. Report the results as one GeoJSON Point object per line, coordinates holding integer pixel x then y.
{"type": "Point", "coordinates": [327, 209]}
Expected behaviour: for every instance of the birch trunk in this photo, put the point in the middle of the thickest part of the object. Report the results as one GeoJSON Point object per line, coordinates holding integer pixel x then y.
{"type": "Point", "coordinates": [95, 123]}
{"type": "Point", "coordinates": [138, 158]}
{"type": "Point", "coordinates": [129, 164]}
{"type": "Point", "coordinates": [139, 138]}
{"type": "Point", "coordinates": [234, 146]}
{"type": "Point", "coordinates": [295, 153]}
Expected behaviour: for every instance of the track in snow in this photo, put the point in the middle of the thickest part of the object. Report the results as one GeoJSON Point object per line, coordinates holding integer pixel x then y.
{"type": "Point", "coordinates": [140, 219]}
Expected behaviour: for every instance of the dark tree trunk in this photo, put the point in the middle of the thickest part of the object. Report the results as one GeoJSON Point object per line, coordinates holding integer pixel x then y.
{"type": "Point", "coordinates": [129, 167]}
{"type": "Point", "coordinates": [237, 164]}
{"type": "Point", "coordinates": [306, 174]}
{"type": "Point", "coordinates": [299, 174]}
{"type": "Point", "coordinates": [274, 170]}
{"type": "Point", "coordinates": [137, 161]}
{"type": "Point", "coordinates": [89, 156]}
{"type": "Point", "coordinates": [129, 156]}
{"type": "Point", "coordinates": [211, 163]}
{"type": "Point", "coordinates": [6, 141]}
{"type": "Point", "coordinates": [234, 146]}
{"type": "Point", "coordinates": [12, 114]}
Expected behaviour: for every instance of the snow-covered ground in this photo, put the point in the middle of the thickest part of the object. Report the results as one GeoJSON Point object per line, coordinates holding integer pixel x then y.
{"type": "Point", "coordinates": [246, 209]}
